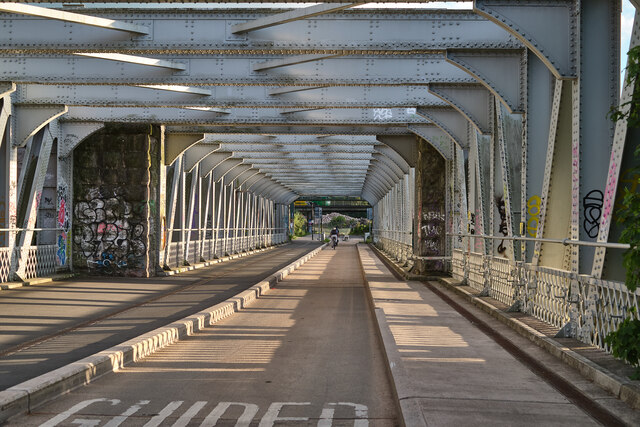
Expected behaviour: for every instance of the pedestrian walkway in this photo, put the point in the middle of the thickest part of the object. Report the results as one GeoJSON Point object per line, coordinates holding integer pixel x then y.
{"type": "Point", "coordinates": [447, 372]}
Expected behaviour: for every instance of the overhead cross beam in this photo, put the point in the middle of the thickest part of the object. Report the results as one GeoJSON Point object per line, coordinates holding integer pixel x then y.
{"type": "Point", "coordinates": [44, 12]}
{"type": "Point", "coordinates": [290, 16]}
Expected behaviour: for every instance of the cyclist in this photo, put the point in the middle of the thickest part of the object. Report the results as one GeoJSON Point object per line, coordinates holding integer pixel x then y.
{"type": "Point", "coordinates": [335, 233]}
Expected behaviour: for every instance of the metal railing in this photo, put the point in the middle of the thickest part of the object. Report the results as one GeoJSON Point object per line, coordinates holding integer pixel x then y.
{"type": "Point", "coordinates": [212, 244]}
{"type": "Point", "coordinates": [37, 261]}
{"type": "Point", "coordinates": [586, 307]}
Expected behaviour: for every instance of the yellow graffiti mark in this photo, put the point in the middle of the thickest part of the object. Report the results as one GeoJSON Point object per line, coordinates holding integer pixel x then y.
{"type": "Point", "coordinates": [533, 209]}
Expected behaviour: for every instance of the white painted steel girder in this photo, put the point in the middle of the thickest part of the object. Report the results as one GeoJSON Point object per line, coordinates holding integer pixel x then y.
{"type": "Point", "coordinates": [449, 121]}
{"type": "Point", "coordinates": [239, 116]}
{"type": "Point", "coordinates": [31, 118]}
{"type": "Point", "coordinates": [236, 70]}
{"type": "Point", "coordinates": [549, 29]}
{"type": "Point", "coordinates": [177, 143]}
{"type": "Point", "coordinates": [472, 101]}
{"type": "Point", "coordinates": [207, 30]}
{"type": "Point", "coordinates": [293, 129]}
{"type": "Point", "coordinates": [226, 96]}
{"type": "Point", "coordinates": [194, 154]}
{"type": "Point", "coordinates": [435, 136]}
{"type": "Point", "coordinates": [258, 139]}
{"type": "Point", "coordinates": [502, 72]}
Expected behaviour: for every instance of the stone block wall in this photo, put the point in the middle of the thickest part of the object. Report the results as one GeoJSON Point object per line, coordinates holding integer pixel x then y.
{"type": "Point", "coordinates": [115, 201]}
{"type": "Point", "coordinates": [430, 236]}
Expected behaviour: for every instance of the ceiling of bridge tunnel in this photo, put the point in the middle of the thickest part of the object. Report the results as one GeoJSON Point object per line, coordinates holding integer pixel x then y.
{"type": "Point", "coordinates": [279, 100]}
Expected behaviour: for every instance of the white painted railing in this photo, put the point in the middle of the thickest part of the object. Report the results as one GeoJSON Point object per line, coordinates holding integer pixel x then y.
{"type": "Point", "coordinates": [40, 262]}
{"type": "Point", "coordinates": [589, 307]}
{"type": "Point", "coordinates": [217, 247]}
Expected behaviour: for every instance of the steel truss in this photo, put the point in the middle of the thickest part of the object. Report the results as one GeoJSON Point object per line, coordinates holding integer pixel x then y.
{"type": "Point", "coordinates": [259, 107]}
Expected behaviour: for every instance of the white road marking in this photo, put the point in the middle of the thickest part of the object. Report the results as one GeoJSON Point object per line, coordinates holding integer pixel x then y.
{"type": "Point", "coordinates": [75, 408]}
{"type": "Point", "coordinates": [162, 415]}
{"type": "Point", "coordinates": [271, 416]}
{"type": "Point", "coordinates": [362, 413]}
{"type": "Point", "coordinates": [116, 421]}
{"type": "Point", "coordinates": [326, 418]}
{"type": "Point", "coordinates": [250, 411]}
{"type": "Point", "coordinates": [191, 412]}
{"type": "Point", "coordinates": [85, 423]}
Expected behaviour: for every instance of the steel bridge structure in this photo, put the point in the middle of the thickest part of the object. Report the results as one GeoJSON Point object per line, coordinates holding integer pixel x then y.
{"type": "Point", "coordinates": [141, 138]}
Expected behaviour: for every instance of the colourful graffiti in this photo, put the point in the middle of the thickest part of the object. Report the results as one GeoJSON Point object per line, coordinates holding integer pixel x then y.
{"type": "Point", "coordinates": [109, 233]}
{"type": "Point", "coordinates": [63, 223]}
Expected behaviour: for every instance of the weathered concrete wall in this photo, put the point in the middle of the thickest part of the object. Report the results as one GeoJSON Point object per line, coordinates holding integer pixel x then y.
{"type": "Point", "coordinates": [430, 234]}
{"type": "Point", "coordinates": [115, 201]}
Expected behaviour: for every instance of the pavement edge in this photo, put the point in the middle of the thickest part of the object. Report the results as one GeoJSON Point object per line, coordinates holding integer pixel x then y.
{"type": "Point", "coordinates": [622, 388]}
{"type": "Point", "coordinates": [408, 407]}
{"type": "Point", "coordinates": [24, 397]}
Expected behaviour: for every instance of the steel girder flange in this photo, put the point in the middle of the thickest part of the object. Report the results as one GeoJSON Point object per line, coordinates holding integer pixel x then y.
{"type": "Point", "coordinates": [435, 136]}
{"type": "Point", "coordinates": [209, 31]}
{"type": "Point", "coordinates": [451, 122]}
{"type": "Point", "coordinates": [31, 118]}
{"type": "Point", "coordinates": [224, 167]}
{"type": "Point", "coordinates": [394, 156]}
{"type": "Point", "coordinates": [73, 134]}
{"type": "Point", "coordinates": [502, 72]}
{"type": "Point", "coordinates": [196, 153]}
{"type": "Point", "coordinates": [212, 160]}
{"type": "Point", "coordinates": [177, 143]}
{"type": "Point", "coordinates": [549, 29]}
{"type": "Point", "coordinates": [472, 101]}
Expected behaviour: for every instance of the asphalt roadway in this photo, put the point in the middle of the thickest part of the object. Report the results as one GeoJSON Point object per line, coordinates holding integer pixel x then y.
{"type": "Point", "coordinates": [98, 313]}
{"type": "Point", "coordinates": [306, 353]}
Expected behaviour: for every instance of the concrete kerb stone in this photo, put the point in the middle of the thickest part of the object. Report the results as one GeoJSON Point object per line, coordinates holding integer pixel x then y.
{"type": "Point", "coordinates": [36, 281]}
{"type": "Point", "coordinates": [24, 397]}
{"type": "Point", "coordinates": [408, 406]}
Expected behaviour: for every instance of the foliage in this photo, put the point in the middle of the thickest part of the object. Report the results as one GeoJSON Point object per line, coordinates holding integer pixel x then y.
{"type": "Point", "coordinates": [338, 221]}
{"type": "Point", "coordinates": [633, 71]}
{"type": "Point", "coordinates": [299, 224]}
{"type": "Point", "coordinates": [360, 229]}
{"type": "Point", "coordinates": [625, 340]}
{"type": "Point", "coordinates": [629, 215]}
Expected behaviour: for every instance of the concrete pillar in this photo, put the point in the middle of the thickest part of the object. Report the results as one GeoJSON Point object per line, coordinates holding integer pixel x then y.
{"type": "Point", "coordinates": [116, 198]}
{"type": "Point", "coordinates": [430, 207]}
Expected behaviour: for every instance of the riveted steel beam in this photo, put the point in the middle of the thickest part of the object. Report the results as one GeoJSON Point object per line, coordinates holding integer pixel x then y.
{"type": "Point", "coordinates": [212, 160]}
{"type": "Point", "coordinates": [196, 153]}
{"type": "Point", "coordinates": [240, 115]}
{"type": "Point", "coordinates": [31, 118]}
{"type": "Point", "coordinates": [549, 29]}
{"type": "Point", "coordinates": [73, 134]}
{"type": "Point", "coordinates": [435, 136]}
{"type": "Point", "coordinates": [224, 96]}
{"type": "Point", "coordinates": [7, 88]}
{"type": "Point", "coordinates": [450, 122]}
{"type": "Point", "coordinates": [70, 17]}
{"type": "Point", "coordinates": [364, 69]}
{"type": "Point", "coordinates": [405, 146]}
{"type": "Point", "coordinates": [292, 60]}
{"type": "Point", "coordinates": [223, 168]}
{"type": "Point", "coordinates": [290, 16]}
{"type": "Point", "coordinates": [293, 129]}
{"type": "Point", "coordinates": [501, 72]}
{"type": "Point", "coordinates": [472, 101]}
{"type": "Point", "coordinates": [211, 32]}
{"type": "Point", "coordinates": [177, 143]}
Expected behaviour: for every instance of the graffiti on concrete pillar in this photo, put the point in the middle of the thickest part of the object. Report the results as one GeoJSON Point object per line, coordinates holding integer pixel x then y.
{"type": "Point", "coordinates": [63, 224]}
{"type": "Point", "coordinates": [503, 223]}
{"type": "Point", "coordinates": [109, 233]}
{"type": "Point", "coordinates": [592, 205]}
{"type": "Point", "coordinates": [432, 231]}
